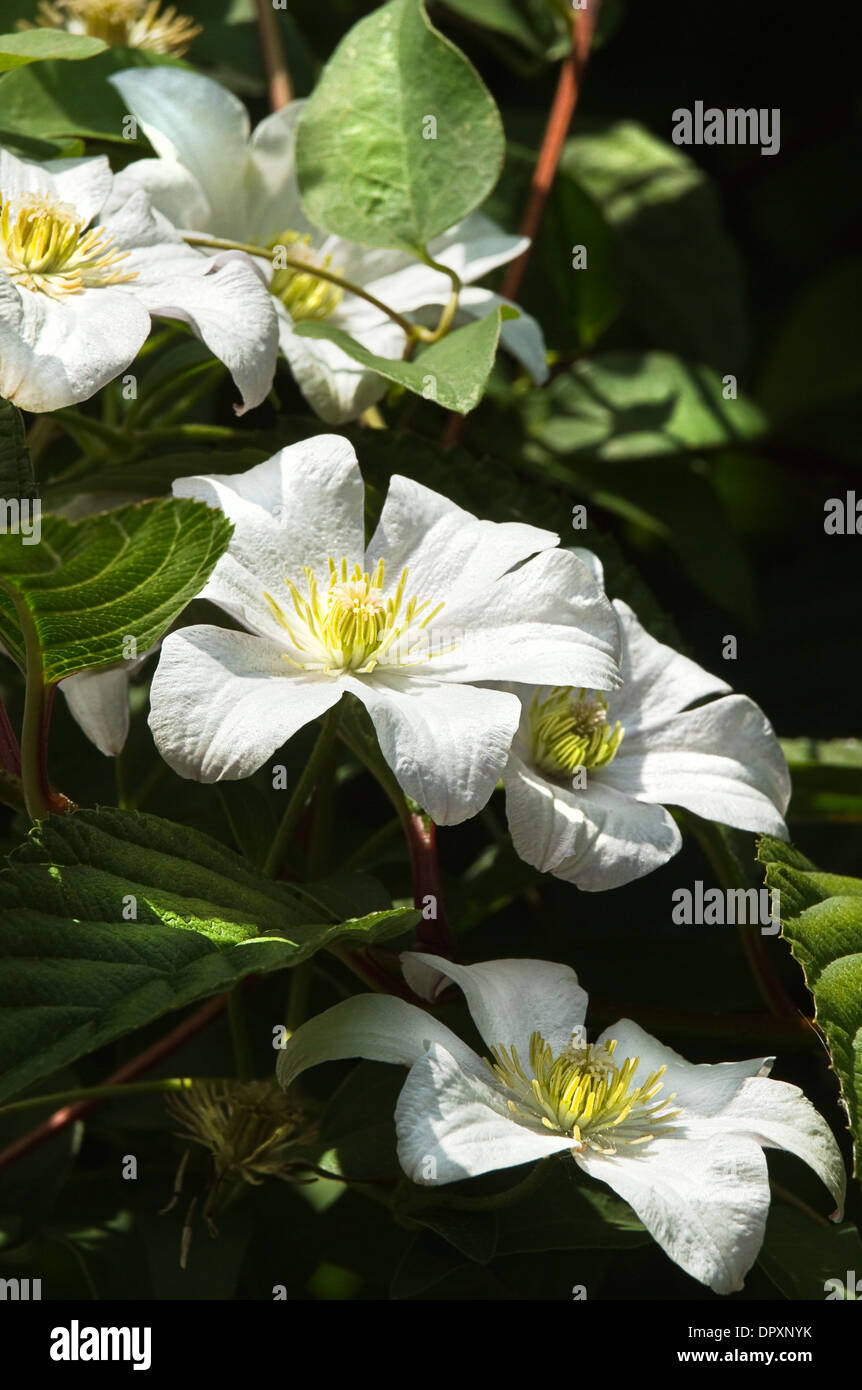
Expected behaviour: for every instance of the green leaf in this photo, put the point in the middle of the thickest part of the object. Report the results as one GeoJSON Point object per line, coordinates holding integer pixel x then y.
{"type": "Point", "coordinates": [370, 165]}
{"type": "Point", "coordinates": [573, 306]}
{"type": "Point", "coordinates": [821, 917]}
{"type": "Point", "coordinates": [800, 1255]}
{"type": "Point", "coordinates": [623, 405]}
{"type": "Point", "coordinates": [35, 45]}
{"type": "Point", "coordinates": [531, 23]}
{"type": "Point", "coordinates": [17, 481]}
{"type": "Point", "coordinates": [827, 778]}
{"type": "Point", "coordinates": [89, 586]}
{"type": "Point", "coordinates": [78, 970]}
{"type": "Point", "coordinates": [596, 423]}
{"type": "Point", "coordinates": [452, 373]}
{"type": "Point", "coordinates": [50, 100]}
{"type": "Point", "coordinates": [569, 1214]}
{"type": "Point", "coordinates": [685, 286]}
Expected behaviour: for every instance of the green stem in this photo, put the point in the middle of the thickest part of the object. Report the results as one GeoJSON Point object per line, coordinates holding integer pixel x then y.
{"type": "Point", "coordinates": [133, 1088]}
{"type": "Point", "coordinates": [301, 793]}
{"type": "Point", "coordinates": [37, 704]}
{"type": "Point", "coordinates": [451, 308]}
{"type": "Point", "coordinates": [319, 272]}
{"type": "Point", "coordinates": [297, 1003]}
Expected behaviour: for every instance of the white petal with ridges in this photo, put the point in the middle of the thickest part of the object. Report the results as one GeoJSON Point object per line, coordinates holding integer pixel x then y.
{"type": "Point", "coordinates": [379, 1028]}
{"type": "Point", "coordinates": [594, 837]}
{"type": "Point", "coordinates": [454, 1125]}
{"type": "Point", "coordinates": [297, 508]}
{"type": "Point", "coordinates": [704, 1201]}
{"type": "Point", "coordinates": [510, 1000]}
{"type": "Point", "coordinates": [222, 702]}
{"type": "Point", "coordinates": [446, 744]}
{"type": "Point", "coordinates": [702, 1089]}
{"type": "Point", "coordinates": [544, 621]}
{"type": "Point", "coordinates": [779, 1115]}
{"type": "Point", "coordinates": [722, 761]}
{"type": "Point", "coordinates": [55, 353]}
{"type": "Point", "coordinates": [196, 122]}
{"type": "Point", "coordinates": [449, 552]}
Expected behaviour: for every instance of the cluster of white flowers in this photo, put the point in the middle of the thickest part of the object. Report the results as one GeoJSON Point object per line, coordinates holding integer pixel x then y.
{"type": "Point", "coordinates": [481, 650]}
{"type": "Point", "coordinates": [484, 653]}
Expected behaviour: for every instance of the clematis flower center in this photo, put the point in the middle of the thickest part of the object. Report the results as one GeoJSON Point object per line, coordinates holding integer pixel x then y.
{"type": "Point", "coordinates": [584, 1092]}
{"type": "Point", "coordinates": [351, 626]}
{"type": "Point", "coordinates": [570, 730]}
{"type": "Point", "coordinates": [304, 294]}
{"type": "Point", "coordinates": [132, 23]}
{"type": "Point", "coordinates": [44, 248]}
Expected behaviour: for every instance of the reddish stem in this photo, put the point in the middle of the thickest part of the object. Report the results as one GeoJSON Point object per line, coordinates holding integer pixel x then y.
{"type": "Point", "coordinates": [10, 749]}
{"type": "Point", "coordinates": [559, 120]}
{"type": "Point", "coordinates": [433, 933]}
{"type": "Point", "coordinates": [277, 76]}
{"type": "Point", "coordinates": [69, 1114]}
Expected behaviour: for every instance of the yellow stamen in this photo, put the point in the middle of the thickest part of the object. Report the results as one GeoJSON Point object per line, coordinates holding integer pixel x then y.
{"type": "Point", "coordinates": [352, 626]}
{"type": "Point", "coordinates": [570, 730]}
{"type": "Point", "coordinates": [44, 248]}
{"type": "Point", "coordinates": [130, 23]}
{"type": "Point", "coordinates": [583, 1093]}
{"type": "Point", "coordinates": [304, 294]}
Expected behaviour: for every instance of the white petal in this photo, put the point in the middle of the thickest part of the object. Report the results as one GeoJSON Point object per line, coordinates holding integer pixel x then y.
{"type": "Point", "coordinates": [85, 182]}
{"type": "Point", "coordinates": [449, 553]}
{"type": "Point", "coordinates": [704, 1201]}
{"type": "Point", "coordinates": [592, 562]}
{"type": "Point", "coordinates": [701, 1088]}
{"type": "Point", "coordinates": [476, 246]}
{"type": "Point", "coordinates": [721, 761]}
{"type": "Point", "coordinates": [336, 386]}
{"type": "Point", "coordinates": [297, 508]}
{"type": "Point", "coordinates": [509, 1000]}
{"type": "Point", "coordinates": [446, 744]}
{"type": "Point", "coordinates": [594, 837]}
{"type": "Point", "coordinates": [472, 249]}
{"type": "Point", "coordinates": [522, 337]}
{"type": "Point", "coordinates": [198, 123]}
{"type": "Point", "coordinates": [452, 1124]}
{"type": "Point", "coordinates": [232, 312]}
{"type": "Point", "coordinates": [657, 681]}
{"type": "Point", "coordinates": [58, 353]}
{"type": "Point", "coordinates": [377, 1027]}
{"type": "Point", "coordinates": [223, 702]}
{"type": "Point", "coordinates": [273, 192]}
{"type": "Point", "coordinates": [99, 703]}
{"type": "Point", "coordinates": [779, 1115]}
{"type": "Point", "coordinates": [172, 191]}
{"type": "Point", "coordinates": [544, 622]}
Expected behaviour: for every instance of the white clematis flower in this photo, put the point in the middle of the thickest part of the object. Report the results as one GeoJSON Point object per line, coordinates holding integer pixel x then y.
{"type": "Point", "coordinates": [589, 778]}
{"type": "Point", "coordinates": [83, 268]}
{"type": "Point", "coordinates": [216, 177]}
{"type": "Point", "coordinates": [409, 625]}
{"type": "Point", "coordinates": [682, 1143]}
